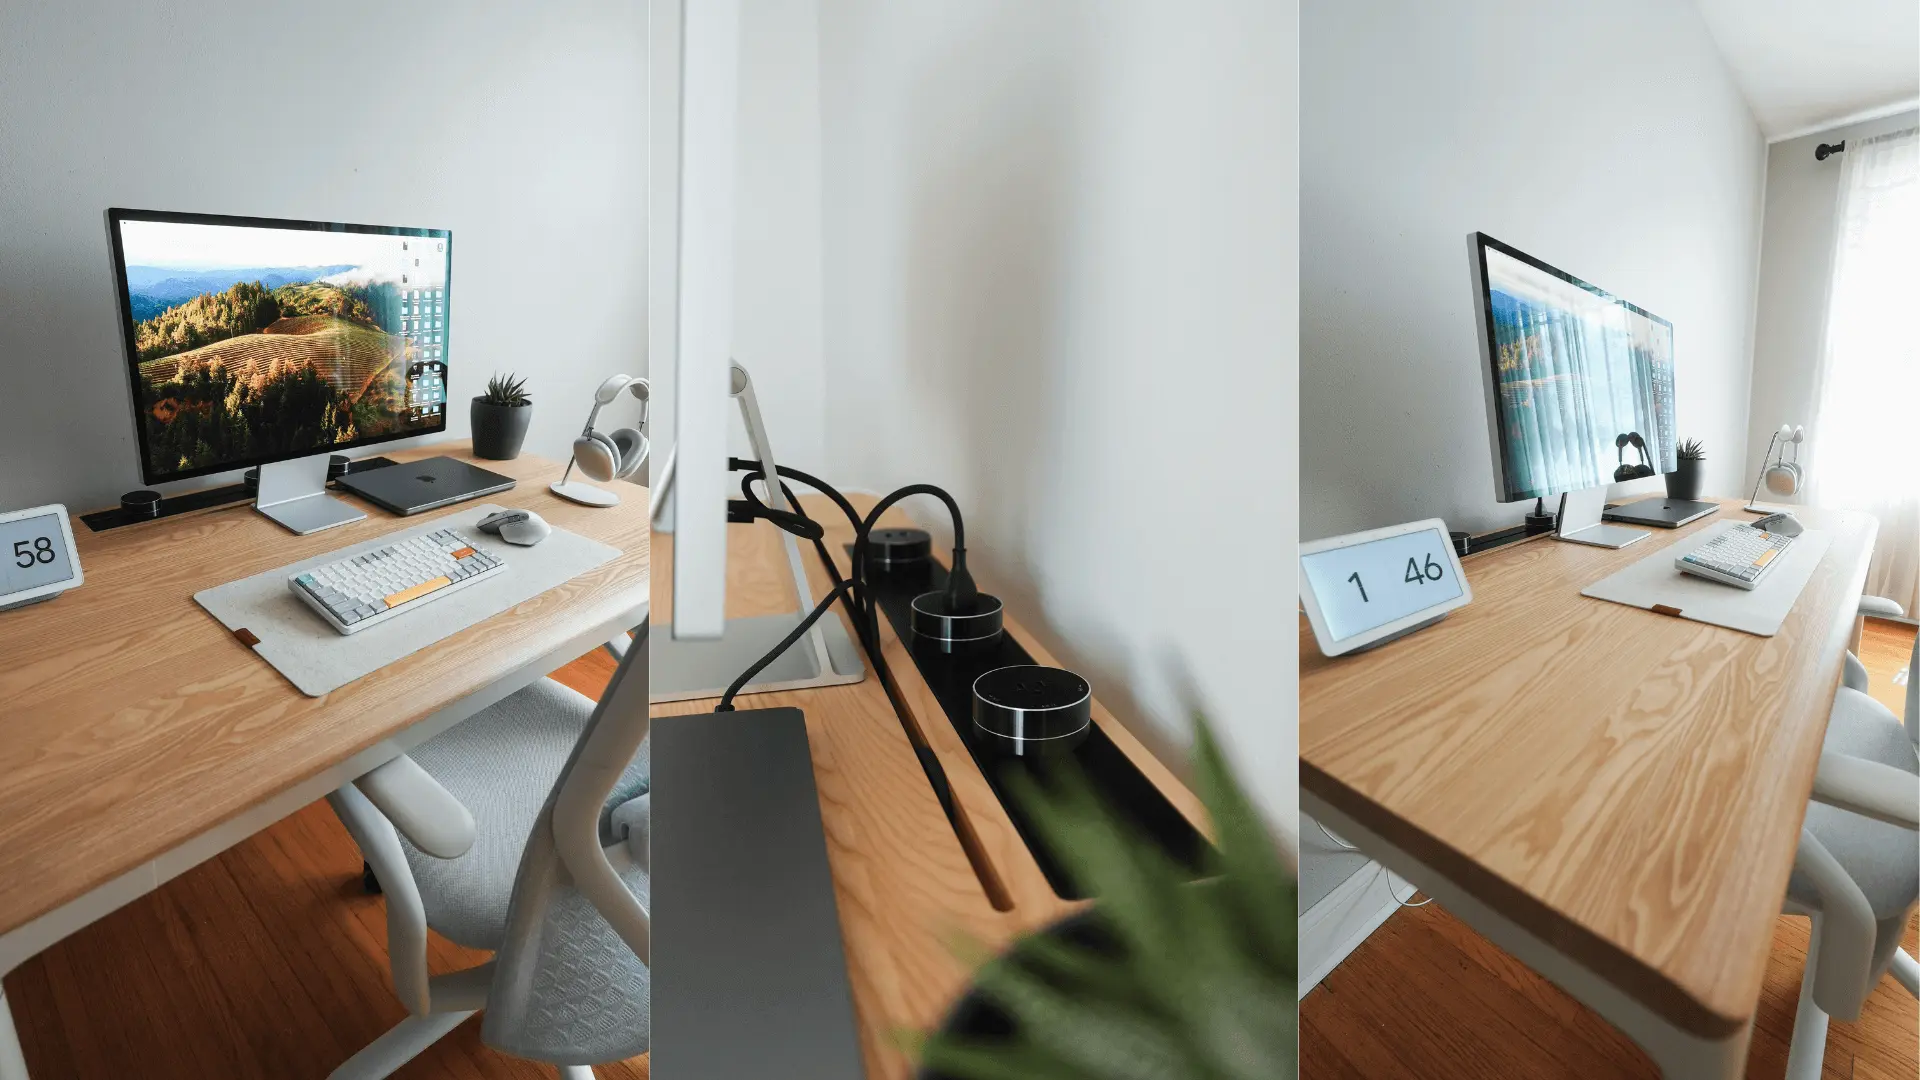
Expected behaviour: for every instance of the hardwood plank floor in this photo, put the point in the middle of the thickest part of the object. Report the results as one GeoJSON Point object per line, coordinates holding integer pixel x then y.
{"type": "Point", "coordinates": [267, 961]}
{"type": "Point", "coordinates": [1425, 996]}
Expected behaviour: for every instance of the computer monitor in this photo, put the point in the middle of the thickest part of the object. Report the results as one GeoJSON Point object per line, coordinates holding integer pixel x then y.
{"type": "Point", "coordinates": [695, 133]}
{"type": "Point", "coordinates": [260, 341]}
{"type": "Point", "coordinates": [1579, 382]}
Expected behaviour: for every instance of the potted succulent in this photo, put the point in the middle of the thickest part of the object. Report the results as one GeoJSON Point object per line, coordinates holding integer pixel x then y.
{"type": "Point", "coordinates": [1161, 977]}
{"type": "Point", "coordinates": [1685, 479]}
{"type": "Point", "coordinates": [500, 417]}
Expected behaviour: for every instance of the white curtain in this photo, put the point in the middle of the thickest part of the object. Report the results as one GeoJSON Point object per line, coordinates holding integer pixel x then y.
{"type": "Point", "coordinates": [1863, 450]}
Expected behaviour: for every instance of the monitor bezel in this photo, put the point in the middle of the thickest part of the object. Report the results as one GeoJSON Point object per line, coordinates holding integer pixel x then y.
{"type": "Point", "coordinates": [1477, 244]}
{"type": "Point", "coordinates": [116, 215]}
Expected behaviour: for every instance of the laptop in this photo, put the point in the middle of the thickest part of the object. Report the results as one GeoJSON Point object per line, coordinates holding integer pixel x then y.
{"type": "Point", "coordinates": [1661, 513]}
{"type": "Point", "coordinates": [410, 487]}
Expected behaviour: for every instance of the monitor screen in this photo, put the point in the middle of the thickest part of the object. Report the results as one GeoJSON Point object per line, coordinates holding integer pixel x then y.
{"type": "Point", "coordinates": [253, 340]}
{"type": "Point", "coordinates": [1575, 375]}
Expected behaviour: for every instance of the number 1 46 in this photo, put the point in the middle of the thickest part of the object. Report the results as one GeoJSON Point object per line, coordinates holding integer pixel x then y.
{"type": "Point", "coordinates": [1417, 574]}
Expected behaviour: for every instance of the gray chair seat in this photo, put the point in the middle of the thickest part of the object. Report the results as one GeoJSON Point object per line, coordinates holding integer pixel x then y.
{"type": "Point", "coordinates": [502, 763]}
{"type": "Point", "coordinates": [1883, 859]}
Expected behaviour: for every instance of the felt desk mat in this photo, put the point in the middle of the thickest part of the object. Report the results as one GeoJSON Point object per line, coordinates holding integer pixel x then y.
{"type": "Point", "coordinates": [1654, 580]}
{"type": "Point", "coordinates": [316, 658]}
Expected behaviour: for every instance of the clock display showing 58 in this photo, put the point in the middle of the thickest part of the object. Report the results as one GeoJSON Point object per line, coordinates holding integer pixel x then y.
{"type": "Point", "coordinates": [32, 553]}
{"type": "Point", "coordinates": [1368, 585]}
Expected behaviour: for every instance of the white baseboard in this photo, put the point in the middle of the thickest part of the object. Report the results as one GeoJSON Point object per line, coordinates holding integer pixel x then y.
{"type": "Point", "coordinates": [1331, 929]}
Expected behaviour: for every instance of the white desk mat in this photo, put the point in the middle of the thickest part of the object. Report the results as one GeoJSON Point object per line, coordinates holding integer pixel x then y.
{"type": "Point", "coordinates": [1653, 580]}
{"type": "Point", "coordinates": [317, 659]}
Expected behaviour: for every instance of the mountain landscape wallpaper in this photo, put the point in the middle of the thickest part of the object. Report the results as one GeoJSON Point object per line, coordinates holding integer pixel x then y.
{"type": "Point", "coordinates": [241, 362]}
{"type": "Point", "coordinates": [1573, 370]}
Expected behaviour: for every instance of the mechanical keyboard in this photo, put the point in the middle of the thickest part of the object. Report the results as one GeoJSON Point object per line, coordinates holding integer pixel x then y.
{"type": "Point", "coordinates": [375, 586]}
{"type": "Point", "coordinates": [1742, 556]}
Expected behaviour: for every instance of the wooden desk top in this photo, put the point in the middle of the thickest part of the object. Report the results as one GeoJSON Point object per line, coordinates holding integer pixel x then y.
{"type": "Point", "coordinates": [1627, 786]}
{"type": "Point", "coordinates": [902, 881]}
{"type": "Point", "coordinates": [131, 721]}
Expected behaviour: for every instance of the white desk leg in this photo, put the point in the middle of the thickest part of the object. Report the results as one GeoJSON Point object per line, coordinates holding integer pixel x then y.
{"type": "Point", "coordinates": [1680, 1055]}
{"type": "Point", "coordinates": [13, 1064]}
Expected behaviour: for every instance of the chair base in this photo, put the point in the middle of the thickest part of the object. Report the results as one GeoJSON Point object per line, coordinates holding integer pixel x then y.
{"type": "Point", "coordinates": [1808, 1050]}
{"type": "Point", "coordinates": [381, 1057]}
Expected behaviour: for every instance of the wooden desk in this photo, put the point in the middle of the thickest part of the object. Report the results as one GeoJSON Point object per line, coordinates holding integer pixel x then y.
{"type": "Point", "coordinates": [137, 737]}
{"type": "Point", "coordinates": [1624, 788]}
{"type": "Point", "coordinates": [902, 882]}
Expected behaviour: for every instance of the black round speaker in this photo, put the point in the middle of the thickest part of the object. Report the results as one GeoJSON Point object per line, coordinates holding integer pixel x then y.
{"type": "Point", "coordinates": [141, 504]}
{"type": "Point", "coordinates": [935, 627]}
{"type": "Point", "coordinates": [889, 549]}
{"type": "Point", "coordinates": [1031, 711]}
{"type": "Point", "coordinates": [338, 465]}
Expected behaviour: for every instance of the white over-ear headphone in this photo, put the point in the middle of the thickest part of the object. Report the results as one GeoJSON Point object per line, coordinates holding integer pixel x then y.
{"type": "Point", "coordinates": [1784, 477]}
{"type": "Point", "coordinates": [619, 455]}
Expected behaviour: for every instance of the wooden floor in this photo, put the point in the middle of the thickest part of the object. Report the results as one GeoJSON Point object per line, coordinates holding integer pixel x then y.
{"type": "Point", "coordinates": [267, 961]}
{"type": "Point", "coordinates": [1427, 997]}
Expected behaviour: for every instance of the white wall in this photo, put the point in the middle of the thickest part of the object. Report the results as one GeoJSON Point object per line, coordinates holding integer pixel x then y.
{"type": "Point", "coordinates": [1608, 140]}
{"type": "Point", "coordinates": [1796, 264]}
{"type": "Point", "coordinates": [1060, 279]}
{"type": "Point", "coordinates": [522, 131]}
{"type": "Point", "coordinates": [777, 284]}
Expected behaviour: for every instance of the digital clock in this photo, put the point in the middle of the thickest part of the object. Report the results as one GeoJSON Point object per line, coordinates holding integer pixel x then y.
{"type": "Point", "coordinates": [37, 557]}
{"type": "Point", "coordinates": [1367, 588]}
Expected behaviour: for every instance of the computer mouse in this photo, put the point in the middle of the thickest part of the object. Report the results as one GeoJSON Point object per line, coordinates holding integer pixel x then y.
{"type": "Point", "coordinates": [522, 527]}
{"type": "Point", "coordinates": [1784, 524]}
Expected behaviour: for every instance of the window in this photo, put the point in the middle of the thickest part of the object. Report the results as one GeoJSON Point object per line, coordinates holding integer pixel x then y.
{"type": "Point", "coordinates": [1862, 445]}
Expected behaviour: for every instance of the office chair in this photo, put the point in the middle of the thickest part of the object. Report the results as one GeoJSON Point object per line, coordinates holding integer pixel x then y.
{"type": "Point", "coordinates": [522, 829]}
{"type": "Point", "coordinates": [1855, 673]}
{"type": "Point", "coordinates": [1857, 872]}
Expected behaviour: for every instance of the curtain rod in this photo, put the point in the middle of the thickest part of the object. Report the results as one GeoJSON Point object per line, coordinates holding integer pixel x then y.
{"type": "Point", "coordinates": [1821, 152]}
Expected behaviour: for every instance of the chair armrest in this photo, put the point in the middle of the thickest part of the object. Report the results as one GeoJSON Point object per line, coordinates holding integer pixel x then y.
{"type": "Point", "coordinates": [423, 811]}
{"type": "Point", "coordinates": [1869, 789]}
{"type": "Point", "coordinates": [373, 832]}
{"type": "Point", "coordinates": [1853, 675]}
{"type": "Point", "coordinates": [1881, 607]}
{"type": "Point", "coordinates": [1842, 973]}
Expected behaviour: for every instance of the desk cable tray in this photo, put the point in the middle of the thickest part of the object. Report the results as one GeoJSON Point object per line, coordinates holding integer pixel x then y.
{"type": "Point", "coordinates": [1114, 777]}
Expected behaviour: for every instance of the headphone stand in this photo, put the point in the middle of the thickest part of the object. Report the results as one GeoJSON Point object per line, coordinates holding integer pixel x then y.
{"type": "Point", "coordinates": [582, 492]}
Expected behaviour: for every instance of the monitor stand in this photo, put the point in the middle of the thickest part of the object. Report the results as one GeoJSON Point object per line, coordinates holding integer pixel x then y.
{"type": "Point", "coordinates": [688, 670]}
{"type": "Point", "coordinates": [294, 493]}
{"type": "Point", "coordinates": [1579, 521]}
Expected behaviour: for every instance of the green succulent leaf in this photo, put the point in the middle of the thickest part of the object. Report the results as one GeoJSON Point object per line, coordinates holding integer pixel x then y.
{"type": "Point", "coordinates": [1196, 979]}
{"type": "Point", "coordinates": [506, 390]}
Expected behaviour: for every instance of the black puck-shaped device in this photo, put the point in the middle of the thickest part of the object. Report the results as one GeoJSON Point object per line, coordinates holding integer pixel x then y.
{"type": "Point", "coordinates": [891, 549]}
{"type": "Point", "coordinates": [937, 627]}
{"type": "Point", "coordinates": [141, 505]}
{"type": "Point", "coordinates": [1031, 711]}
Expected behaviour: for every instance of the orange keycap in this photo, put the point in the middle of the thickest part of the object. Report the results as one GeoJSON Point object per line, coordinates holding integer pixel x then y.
{"type": "Point", "coordinates": [463, 553]}
{"type": "Point", "coordinates": [418, 591]}
{"type": "Point", "coordinates": [1766, 557]}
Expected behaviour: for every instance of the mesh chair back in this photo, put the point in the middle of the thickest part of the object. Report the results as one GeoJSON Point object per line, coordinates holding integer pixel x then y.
{"type": "Point", "coordinates": [570, 982]}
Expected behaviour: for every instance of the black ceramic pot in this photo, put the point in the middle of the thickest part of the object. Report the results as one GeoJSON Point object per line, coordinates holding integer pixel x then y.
{"type": "Point", "coordinates": [498, 430]}
{"type": "Point", "coordinates": [1685, 479]}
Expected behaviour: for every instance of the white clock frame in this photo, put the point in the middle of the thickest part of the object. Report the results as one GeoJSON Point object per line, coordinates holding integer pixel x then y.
{"type": "Point", "coordinates": [9, 601]}
{"type": "Point", "coordinates": [1387, 631]}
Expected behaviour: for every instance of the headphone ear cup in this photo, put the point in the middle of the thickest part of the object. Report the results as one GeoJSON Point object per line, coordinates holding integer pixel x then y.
{"type": "Point", "coordinates": [1783, 478]}
{"type": "Point", "coordinates": [597, 456]}
{"type": "Point", "coordinates": [633, 451]}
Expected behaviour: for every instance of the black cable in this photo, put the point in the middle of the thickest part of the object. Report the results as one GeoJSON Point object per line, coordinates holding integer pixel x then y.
{"type": "Point", "coordinates": [962, 596]}
{"type": "Point", "coordinates": [726, 699]}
